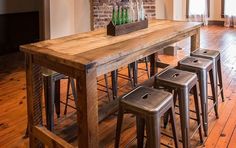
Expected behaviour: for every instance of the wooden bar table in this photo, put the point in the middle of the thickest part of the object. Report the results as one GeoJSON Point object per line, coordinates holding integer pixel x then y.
{"type": "Point", "coordinates": [86, 56]}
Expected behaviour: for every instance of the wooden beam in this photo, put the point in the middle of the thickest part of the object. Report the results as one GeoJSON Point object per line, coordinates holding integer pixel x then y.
{"type": "Point", "coordinates": [87, 115]}
{"type": "Point", "coordinates": [195, 40]}
{"type": "Point", "coordinates": [50, 139]}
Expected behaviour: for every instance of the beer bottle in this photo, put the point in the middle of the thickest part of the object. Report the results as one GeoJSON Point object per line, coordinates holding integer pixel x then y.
{"type": "Point", "coordinates": [114, 16]}
{"type": "Point", "coordinates": [118, 18]}
{"type": "Point", "coordinates": [126, 16]}
{"type": "Point", "coordinates": [123, 15]}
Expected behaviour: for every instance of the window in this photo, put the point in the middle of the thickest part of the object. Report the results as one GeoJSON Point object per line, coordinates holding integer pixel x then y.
{"type": "Point", "coordinates": [198, 7]}
{"type": "Point", "coordinates": [228, 8]}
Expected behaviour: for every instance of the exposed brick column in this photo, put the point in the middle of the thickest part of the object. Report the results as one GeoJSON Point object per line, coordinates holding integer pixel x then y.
{"type": "Point", "coordinates": [102, 11]}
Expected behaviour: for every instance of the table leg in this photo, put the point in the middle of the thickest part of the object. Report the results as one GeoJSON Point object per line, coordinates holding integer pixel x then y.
{"type": "Point", "coordinates": [34, 98]}
{"type": "Point", "coordinates": [153, 64]}
{"type": "Point", "coordinates": [88, 109]}
{"type": "Point", "coordinates": [195, 40]}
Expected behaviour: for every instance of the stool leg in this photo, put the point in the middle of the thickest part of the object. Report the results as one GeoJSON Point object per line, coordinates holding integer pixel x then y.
{"type": "Point", "coordinates": [173, 123]}
{"type": "Point", "coordinates": [67, 96]}
{"type": "Point", "coordinates": [166, 115]}
{"type": "Point", "coordinates": [74, 93]}
{"type": "Point", "coordinates": [140, 124]}
{"type": "Point", "coordinates": [57, 98]}
{"type": "Point", "coordinates": [107, 87]}
{"type": "Point", "coordinates": [166, 119]}
{"type": "Point", "coordinates": [131, 74]}
{"type": "Point", "coordinates": [214, 94]}
{"type": "Point", "coordinates": [204, 100]}
{"type": "Point", "coordinates": [220, 79]}
{"type": "Point", "coordinates": [135, 73]}
{"type": "Point", "coordinates": [49, 90]}
{"type": "Point", "coordinates": [198, 113]}
{"type": "Point", "coordinates": [135, 70]}
{"type": "Point", "coordinates": [147, 68]}
{"type": "Point", "coordinates": [153, 64]}
{"type": "Point", "coordinates": [114, 77]}
{"type": "Point", "coordinates": [153, 132]}
{"type": "Point", "coordinates": [175, 96]}
{"type": "Point", "coordinates": [184, 116]}
{"type": "Point", "coordinates": [119, 126]}
{"type": "Point", "coordinates": [215, 74]}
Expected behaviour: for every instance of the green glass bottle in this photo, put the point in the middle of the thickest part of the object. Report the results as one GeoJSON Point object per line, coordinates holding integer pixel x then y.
{"type": "Point", "coordinates": [118, 18]}
{"type": "Point", "coordinates": [126, 16]}
{"type": "Point", "coordinates": [123, 16]}
{"type": "Point", "coordinates": [114, 16]}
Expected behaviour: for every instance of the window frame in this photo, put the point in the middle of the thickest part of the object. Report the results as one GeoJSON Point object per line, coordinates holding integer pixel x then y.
{"type": "Point", "coordinates": [208, 8]}
{"type": "Point", "coordinates": [222, 8]}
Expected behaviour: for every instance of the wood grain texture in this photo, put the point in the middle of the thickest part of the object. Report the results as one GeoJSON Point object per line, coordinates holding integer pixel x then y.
{"type": "Point", "coordinates": [87, 116]}
{"type": "Point", "coordinates": [34, 98]}
{"type": "Point", "coordinates": [51, 140]}
{"type": "Point", "coordinates": [97, 48]}
{"type": "Point", "coordinates": [195, 41]}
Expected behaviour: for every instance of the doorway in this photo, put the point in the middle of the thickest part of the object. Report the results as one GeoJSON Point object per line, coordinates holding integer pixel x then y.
{"type": "Point", "coordinates": [19, 24]}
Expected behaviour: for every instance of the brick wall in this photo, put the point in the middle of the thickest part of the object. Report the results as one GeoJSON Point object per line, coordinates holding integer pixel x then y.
{"type": "Point", "coordinates": [102, 11]}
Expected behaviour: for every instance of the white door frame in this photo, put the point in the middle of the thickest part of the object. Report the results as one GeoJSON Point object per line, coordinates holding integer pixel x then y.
{"type": "Point", "coordinates": [44, 19]}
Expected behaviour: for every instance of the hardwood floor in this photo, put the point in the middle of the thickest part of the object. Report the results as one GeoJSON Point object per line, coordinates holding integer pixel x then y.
{"type": "Point", "coordinates": [222, 131]}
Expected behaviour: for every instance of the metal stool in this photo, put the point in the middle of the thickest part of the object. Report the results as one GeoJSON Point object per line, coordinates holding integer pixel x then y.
{"type": "Point", "coordinates": [182, 82]}
{"type": "Point", "coordinates": [202, 67]}
{"type": "Point", "coordinates": [114, 79]}
{"type": "Point", "coordinates": [145, 60]}
{"type": "Point", "coordinates": [213, 55]}
{"type": "Point", "coordinates": [51, 82]}
{"type": "Point", "coordinates": [132, 75]}
{"type": "Point", "coordinates": [148, 105]}
{"type": "Point", "coordinates": [71, 84]}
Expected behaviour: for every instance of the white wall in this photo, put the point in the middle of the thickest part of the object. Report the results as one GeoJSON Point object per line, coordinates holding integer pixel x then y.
{"type": "Point", "coordinates": [164, 9]}
{"type": "Point", "coordinates": [179, 9]}
{"type": "Point", "coordinates": [160, 9]}
{"type": "Point", "coordinates": [15, 6]}
{"type": "Point", "coordinates": [178, 13]}
{"type": "Point", "coordinates": [82, 16]}
{"type": "Point", "coordinates": [69, 17]}
{"type": "Point", "coordinates": [62, 18]}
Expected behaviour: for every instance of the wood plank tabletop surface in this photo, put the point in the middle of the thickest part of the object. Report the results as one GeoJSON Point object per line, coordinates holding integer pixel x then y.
{"type": "Point", "coordinates": [97, 48]}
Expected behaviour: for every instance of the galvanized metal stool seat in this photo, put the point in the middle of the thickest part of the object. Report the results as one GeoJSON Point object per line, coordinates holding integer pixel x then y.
{"type": "Point", "coordinates": [182, 82]}
{"type": "Point", "coordinates": [213, 55]}
{"type": "Point", "coordinates": [202, 67]}
{"type": "Point", "coordinates": [148, 105]}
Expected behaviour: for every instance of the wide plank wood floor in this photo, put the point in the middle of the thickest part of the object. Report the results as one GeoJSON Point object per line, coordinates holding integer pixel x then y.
{"type": "Point", "coordinates": [222, 132]}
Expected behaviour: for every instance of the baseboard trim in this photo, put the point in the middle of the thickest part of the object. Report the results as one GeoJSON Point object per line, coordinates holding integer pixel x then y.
{"type": "Point", "coordinates": [216, 22]}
